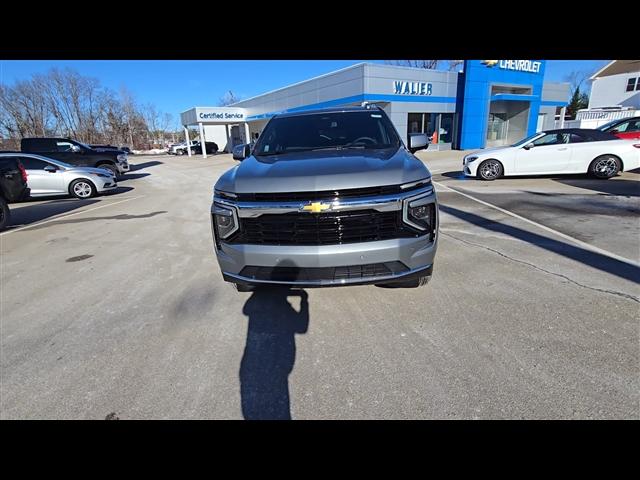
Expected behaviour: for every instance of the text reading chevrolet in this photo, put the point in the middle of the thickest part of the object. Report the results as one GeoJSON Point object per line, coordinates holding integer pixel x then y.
{"type": "Point", "coordinates": [326, 198]}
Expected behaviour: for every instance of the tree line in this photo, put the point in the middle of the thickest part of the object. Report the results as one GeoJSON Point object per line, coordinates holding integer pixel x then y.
{"type": "Point", "coordinates": [63, 103]}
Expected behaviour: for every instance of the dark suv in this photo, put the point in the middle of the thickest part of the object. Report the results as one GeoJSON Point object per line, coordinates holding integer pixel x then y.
{"type": "Point", "coordinates": [13, 186]}
{"type": "Point", "coordinates": [77, 153]}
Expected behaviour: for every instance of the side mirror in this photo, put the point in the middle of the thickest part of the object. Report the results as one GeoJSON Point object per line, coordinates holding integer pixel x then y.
{"type": "Point", "coordinates": [528, 146]}
{"type": "Point", "coordinates": [50, 169]}
{"type": "Point", "coordinates": [75, 149]}
{"type": "Point", "coordinates": [418, 141]}
{"type": "Point", "coordinates": [242, 151]}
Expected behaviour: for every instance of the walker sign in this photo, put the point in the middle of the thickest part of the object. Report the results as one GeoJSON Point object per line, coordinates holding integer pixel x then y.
{"type": "Point", "coordinates": [530, 66]}
{"type": "Point", "coordinates": [412, 88]}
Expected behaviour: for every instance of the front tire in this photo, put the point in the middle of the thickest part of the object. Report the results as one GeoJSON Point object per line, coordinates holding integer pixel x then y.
{"type": "Point", "coordinates": [112, 168]}
{"type": "Point", "coordinates": [605, 166]}
{"type": "Point", "coordinates": [490, 170]}
{"type": "Point", "coordinates": [82, 189]}
{"type": "Point", "coordinates": [5, 214]}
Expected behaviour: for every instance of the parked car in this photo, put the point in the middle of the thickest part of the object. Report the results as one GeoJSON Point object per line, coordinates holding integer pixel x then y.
{"type": "Point", "coordinates": [13, 185]}
{"type": "Point", "coordinates": [628, 128]}
{"type": "Point", "coordinates": [179, 148]}
{"type": "Point", "coordinates": [327, 198]}
{"type": "Point", "coordinates": [49, 177]}
{"type": "Point", "coordinates": [77, 153]}
{"type": "Point", "coordinates": [569, 150]}
{"type": "Point", "coordinates": [212, 148]}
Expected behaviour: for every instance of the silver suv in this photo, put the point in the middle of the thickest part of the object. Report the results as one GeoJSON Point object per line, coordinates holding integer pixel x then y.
{"type": "Point", "coordinates": [327, 198]}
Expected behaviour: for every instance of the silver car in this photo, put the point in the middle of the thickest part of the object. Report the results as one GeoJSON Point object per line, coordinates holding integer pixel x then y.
{"type": "Point", "coordinates": [327, 198]}
{"type": "Point", "coordinates": [48, 177]}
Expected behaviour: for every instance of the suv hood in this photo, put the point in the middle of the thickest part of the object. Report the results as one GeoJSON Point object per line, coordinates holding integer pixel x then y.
{"type": "Point", "coordinates": [323, 170]}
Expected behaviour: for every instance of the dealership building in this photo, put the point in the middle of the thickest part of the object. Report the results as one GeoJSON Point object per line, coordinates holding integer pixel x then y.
{"type": "Point", "coordinates": [489, 103]}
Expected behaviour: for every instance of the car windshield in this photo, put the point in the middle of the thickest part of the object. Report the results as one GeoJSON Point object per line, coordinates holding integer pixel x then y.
{"type": "Point", "coordinates": [529, 139]}
{"type": "Point", "coordinates": [327, 131]}
{"type": "Point", "coordinates": [608, 125]}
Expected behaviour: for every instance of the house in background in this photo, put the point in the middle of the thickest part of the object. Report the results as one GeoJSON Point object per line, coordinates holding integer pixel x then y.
{"type": "Point", "coordinates": [615, 94]}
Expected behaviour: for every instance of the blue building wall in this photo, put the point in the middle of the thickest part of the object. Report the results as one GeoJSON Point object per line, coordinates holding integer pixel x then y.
{"type": "Point", "coordinates": [475, 98]}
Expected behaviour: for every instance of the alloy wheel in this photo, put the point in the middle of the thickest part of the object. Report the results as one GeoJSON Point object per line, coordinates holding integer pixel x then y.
{"type": "Point", "coordinates": [82, 189]}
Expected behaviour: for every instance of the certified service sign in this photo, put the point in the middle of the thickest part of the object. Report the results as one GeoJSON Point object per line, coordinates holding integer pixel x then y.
{"type": "Point", "coordinates": [220, 114]}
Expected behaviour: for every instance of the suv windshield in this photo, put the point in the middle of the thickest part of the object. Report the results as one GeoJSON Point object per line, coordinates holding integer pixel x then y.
{"type": "Point", "coordinates": [327, 131]}
{"type": "Point", "coordinates": [524, 141]}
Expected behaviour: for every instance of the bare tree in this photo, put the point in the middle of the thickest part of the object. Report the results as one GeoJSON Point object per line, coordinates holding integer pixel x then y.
{"type": "Point", "coordinates": [227, 99]}
{"type": "Point", "coordinates": [455, 64]}
{"type": "Point", "coordinates": [64, 103]}
{"type": "Point", "coordinates": [428, 64]}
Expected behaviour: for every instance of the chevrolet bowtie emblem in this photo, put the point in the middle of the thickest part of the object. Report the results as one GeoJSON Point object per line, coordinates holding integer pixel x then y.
{"type": "Point", "coordinates": [490, 63]}
{"type": "Point", "coordinates": [316, 207]}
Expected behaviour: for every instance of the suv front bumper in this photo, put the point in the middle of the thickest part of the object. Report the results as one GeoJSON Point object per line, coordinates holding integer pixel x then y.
{"type": "Point", "coordinates": [416, 256]}
{"type": "Point", "coordinates": [370, 262]}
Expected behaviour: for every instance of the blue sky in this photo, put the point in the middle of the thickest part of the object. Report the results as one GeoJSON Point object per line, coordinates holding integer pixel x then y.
{"type": "Point", "coordinates": [176, 85]}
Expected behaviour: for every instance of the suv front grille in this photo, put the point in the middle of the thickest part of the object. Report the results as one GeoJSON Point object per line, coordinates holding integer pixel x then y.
{"type": "Point", "coordinates": [351, 272]}
{"type": "Point", "coordinates": [322, 229]}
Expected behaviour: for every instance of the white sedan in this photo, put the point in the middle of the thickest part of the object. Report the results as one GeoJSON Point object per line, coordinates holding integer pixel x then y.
{"type": "Point", "coordinates": [570, 150]}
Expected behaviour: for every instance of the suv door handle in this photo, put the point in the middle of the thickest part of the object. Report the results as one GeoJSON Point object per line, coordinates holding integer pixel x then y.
{"type": "Point", "coordinates": [563, 148]}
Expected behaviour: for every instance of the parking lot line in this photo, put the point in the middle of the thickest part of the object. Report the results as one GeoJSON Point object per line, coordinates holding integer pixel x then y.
{"type": "Point", "coordinates": [69, 215]}
{"type": "Point", "coordinates": [543, 227]}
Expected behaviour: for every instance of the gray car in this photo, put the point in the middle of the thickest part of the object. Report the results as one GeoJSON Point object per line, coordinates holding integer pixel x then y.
{"type": "Point", "coordinates": [327, 198]}
{"type": "Point", "coordinates": [48, 177]}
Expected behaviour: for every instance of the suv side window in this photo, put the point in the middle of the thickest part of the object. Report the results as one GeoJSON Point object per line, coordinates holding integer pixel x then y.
{"type": "Point", "coordinates": [33, 163]}
{"type": "Point", "coordinates": [64, 146]}
{"type": "Point", "coordinates": [552, 139]}
{"type": "Point", "coordinates": [577, 138]}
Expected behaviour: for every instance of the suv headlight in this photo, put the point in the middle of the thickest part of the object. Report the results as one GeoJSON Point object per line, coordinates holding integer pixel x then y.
{"type": "Point", "coordinates": [122, 157]}
{"type": "Point", "coordinates": [420, 213]}
{"type": "Point", "coordinates": [225, 221]}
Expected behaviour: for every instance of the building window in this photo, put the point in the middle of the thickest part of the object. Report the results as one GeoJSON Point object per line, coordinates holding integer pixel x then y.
{"type": "Point", "coordinates": [631, 84]}
{"type": "Point", "coordinates": [438, 126]}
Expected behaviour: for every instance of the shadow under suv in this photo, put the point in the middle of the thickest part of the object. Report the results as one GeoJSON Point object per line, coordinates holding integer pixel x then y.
{"type": "Point", "coordinates": [327, 198]}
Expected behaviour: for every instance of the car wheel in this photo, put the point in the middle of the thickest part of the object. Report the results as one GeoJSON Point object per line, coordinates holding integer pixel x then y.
{"type": "Point", "coordinates": [111, 168]}
{"type": "Point", "coordinates": [82, 188]}
{"type": "Point", "coordinates": [5, 214]}
{"type": "Point", "coordinates": [490, 170]}
{"type": "Point", "coordinates": [180, 152]}
{"type": "Point", "coordinates": [605, 166]}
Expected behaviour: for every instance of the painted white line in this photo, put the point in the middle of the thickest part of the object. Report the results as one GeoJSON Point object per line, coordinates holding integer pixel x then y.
{"type": "Point", "coordinates": [543, 227]}
{"type": "Point", "coordinates": [69, 215]}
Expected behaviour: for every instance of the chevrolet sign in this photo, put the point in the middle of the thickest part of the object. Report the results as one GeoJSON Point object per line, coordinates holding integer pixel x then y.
{"type": "Point", "coordinates": [530, 66]}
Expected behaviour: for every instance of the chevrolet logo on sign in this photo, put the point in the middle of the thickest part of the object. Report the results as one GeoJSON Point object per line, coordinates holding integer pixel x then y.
{"type": "Point", "coordinates": [316, 207]}
{"type": "Point", "coordinates": [490, 63]}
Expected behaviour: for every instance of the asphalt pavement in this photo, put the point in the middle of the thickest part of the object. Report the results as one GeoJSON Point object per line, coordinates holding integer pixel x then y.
{"type": "Point", "coordinates": [114, 307]}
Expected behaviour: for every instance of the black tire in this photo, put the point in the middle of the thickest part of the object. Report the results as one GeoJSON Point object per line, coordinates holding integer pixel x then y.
{"type": "Point", "coordinates": [112, 168]}
{"type": "Point", "coordinates": [180, 152]}
{"type": "Point", "coordinates": [490, 170]}
{"type": "Point", "coordinates": [82, 188]}
{"type": "Point", "coordinates": [5, 214]}
{"type": "Point", "coordinates": [605, 166]}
